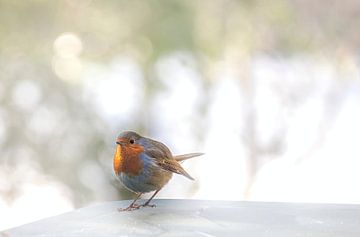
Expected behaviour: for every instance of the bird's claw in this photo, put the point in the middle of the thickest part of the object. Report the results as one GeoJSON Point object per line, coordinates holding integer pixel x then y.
{"type": "Point", "coordinates": [135, 207]}
{"type": "Point", "coordinates": [130, 208]}
{"type": "Point", "coordinates": [148, 205]}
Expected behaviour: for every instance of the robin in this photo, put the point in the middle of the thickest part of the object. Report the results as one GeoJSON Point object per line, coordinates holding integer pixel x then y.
{"type": "Point", "coordinates": [144, 165]}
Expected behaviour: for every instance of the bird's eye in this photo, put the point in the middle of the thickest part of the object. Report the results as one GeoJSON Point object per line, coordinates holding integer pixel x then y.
{"type": "Point", "coordinates": [132, 141]}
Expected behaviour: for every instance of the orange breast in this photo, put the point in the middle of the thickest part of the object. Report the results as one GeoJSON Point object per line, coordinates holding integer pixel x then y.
{"type": "Point", "coordinates": [117, 159]}
{"type": "Point", "coordinates": [127, 159]}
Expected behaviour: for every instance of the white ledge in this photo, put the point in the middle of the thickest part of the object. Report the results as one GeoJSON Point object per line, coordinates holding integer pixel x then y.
{"type": "Point", "coordinates": [201, 218]}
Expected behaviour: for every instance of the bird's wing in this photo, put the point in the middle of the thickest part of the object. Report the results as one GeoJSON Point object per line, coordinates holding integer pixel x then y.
{"type": "Point", "coordinates": [173, 166]}
{"type": "Point", "coordinates": [187, 156]}
{"type": "Point", "coordinates": [165, 160]}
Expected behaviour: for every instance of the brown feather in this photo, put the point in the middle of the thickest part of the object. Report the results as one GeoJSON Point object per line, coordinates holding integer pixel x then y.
{"type": "Point", "coordinates": [163, 158]}
{"type": "Point", "coordinates": [187, 156]}
{"type": "Point", "coordinates": [173, 166]}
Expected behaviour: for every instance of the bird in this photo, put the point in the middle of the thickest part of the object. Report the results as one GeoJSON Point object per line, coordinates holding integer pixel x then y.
{"type": "Point", "coordinates": [145, 165]}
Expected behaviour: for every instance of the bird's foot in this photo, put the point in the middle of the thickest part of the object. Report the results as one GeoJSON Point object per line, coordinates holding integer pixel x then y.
{"type": "Point", "coordinates": [148, 205]}
{"type": "Point", "coordinates": [132, 207]}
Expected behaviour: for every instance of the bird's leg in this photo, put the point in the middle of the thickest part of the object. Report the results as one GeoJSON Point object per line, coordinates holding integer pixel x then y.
{"type": "Point", "coordinates": [146, 204]}
{"type": "Point", "coordinates": [132, 206]}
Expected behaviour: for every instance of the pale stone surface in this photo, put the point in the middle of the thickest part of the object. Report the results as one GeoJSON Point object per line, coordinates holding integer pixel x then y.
{"type": "Point", "coordinates": [201, 218]}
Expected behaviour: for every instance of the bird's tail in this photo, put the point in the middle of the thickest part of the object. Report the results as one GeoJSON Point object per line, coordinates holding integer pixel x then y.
{"type": "Point", "coordinates": [183, 157]}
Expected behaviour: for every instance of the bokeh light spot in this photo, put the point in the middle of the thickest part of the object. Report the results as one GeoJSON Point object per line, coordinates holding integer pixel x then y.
{"type": "Point", "coordinates": [66, 62]}
{"type": "Point", "coordinates": [68, 45]}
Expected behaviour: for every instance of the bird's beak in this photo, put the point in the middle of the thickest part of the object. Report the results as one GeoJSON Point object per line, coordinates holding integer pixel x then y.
{"type": "Point", "coordinates": [120, 141]}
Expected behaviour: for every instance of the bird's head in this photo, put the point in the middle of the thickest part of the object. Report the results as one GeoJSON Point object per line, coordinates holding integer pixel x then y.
{"type": "Point", "coordinates": [128, 139]}
{"type": "Point", "coordinates": [128, 149]}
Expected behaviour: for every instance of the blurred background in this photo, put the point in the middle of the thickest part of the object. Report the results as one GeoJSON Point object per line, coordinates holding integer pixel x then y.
{"type": "Point", "coordinates": [269, 90]}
